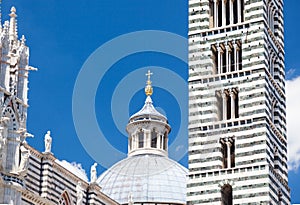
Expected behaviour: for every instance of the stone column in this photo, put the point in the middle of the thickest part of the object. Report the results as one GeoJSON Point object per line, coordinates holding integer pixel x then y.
{"type": "Point", "coordinates": [136, 141]}
{"type": "Point", "coordinates": [235, 56]}
{"type": "Point", "coordinates": [239, 11]}
{"type": "Point", "coordinates": [238, 59]}
{"type": "Point", "coordinates": [228, 143]}
{"type": "Point", "coordinates": [223, 13]}
{"type": "Point", "coordinates": [232, 97]}
{"type": "Point", "coordinates": [231, 11]}
{"type": "Point", "coordinates": [224, 97]}
{"type": "Point", "coordinates": [158, 141]}
{"type": "Point", "coordinates": [219, 59]}
{"type": "Point", "coordinates": [129, 144]}
{"type": "Point", "coordinates": [132, 141]}
{"type": "Point", "coordinates": [227, 57]}
{"type": "Point", "coordinates": [229, 62]}
{"type": "Point", "coordinates": [147, 138]}
{"type": "Point", "coordinates": [216, 13]}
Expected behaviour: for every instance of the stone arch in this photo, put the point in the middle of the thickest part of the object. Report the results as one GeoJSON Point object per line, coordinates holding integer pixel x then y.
{"type": "Point", "coordinates": [226, 195]}
{"type": "Point", "coordinates": [226, 188]}
{"type": "Point", "coordinates": [65, 198]}
{"type": "Point", "coordinates": [226, 181]}
{"type": "Point", "coordinates": [12, 122]}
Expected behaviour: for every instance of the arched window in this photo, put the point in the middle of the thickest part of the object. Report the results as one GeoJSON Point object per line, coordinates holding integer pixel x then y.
{"type": "Point", "coordinates": [271, 16]}
{"type": "Point", "coordinates": [224, 154]}
{"type": "Point", "coordinates": [228, 152]}
{"type": "Point", "coordinates": [226, 195]}
{"type": "Point", "coordinates": [232, 154]}
{"type": "Point", "coordinates": [153, 139]}
{"type": "Point", "coordinates": [141, 138]}
{"type": "Point", "coordinates": [65, 199]}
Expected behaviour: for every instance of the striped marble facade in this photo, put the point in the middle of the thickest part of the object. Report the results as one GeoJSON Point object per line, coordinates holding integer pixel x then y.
{"type": "Point", "coordinates": [237, 113]}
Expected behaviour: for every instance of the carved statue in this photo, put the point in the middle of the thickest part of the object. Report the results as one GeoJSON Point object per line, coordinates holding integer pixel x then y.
{"type": "Point", "coordinates": [79, 194]}
{"type": "Point", "coordinates": [25, 154]}
{"type": "Point", "coordinates": [93, 173]}
{"type": "Point", "coordinates": [2, 151]}
{"type": "Point", "coordinates": [48, 142]}
{"type": "Point", "coordinates": [3, 140]}
{"type": "Point", "coordinates": [130, 199]}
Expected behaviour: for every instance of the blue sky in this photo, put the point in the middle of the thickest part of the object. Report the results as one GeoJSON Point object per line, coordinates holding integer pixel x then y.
{"type": "Point", "coordinates": [63, 34]}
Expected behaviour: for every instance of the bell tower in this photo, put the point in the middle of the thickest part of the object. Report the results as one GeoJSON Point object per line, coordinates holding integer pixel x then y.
{"type": "Point", "coordinates": [14, 68]}
{"type": "Point", "coordinates": [237, 103]}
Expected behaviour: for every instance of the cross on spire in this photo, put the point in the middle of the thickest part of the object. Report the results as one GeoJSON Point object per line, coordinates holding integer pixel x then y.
{"type": "Point", "coordinates": [148, 88]}
{"type": "Point", "coordinates": [148, 74]}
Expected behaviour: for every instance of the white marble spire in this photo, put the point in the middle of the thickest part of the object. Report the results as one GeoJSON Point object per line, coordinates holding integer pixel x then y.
{"type": "Point", "coordinates": [13, 35]}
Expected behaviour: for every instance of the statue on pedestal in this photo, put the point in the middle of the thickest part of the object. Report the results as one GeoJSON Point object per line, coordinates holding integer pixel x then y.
{"type": "Point", "coordinates": [25, 154]}
{"type": "Point", "coordinates": [93, 173]}
{"type": "Point", "coordinates": [48, 142]}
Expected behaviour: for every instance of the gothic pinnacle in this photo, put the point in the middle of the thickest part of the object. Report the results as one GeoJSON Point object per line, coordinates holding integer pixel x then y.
{"type": "Point", "coordinates": [13, 24]}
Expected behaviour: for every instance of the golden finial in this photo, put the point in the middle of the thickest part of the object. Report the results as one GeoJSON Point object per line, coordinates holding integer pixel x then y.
{"type": "Point", "coordinates": [148, 88]}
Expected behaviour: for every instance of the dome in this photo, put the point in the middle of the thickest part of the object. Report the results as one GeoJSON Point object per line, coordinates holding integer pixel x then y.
{"type": "Point", "coordinates": [148, 112]}
{"type": "Point", "coordinates": [145, 178]}
{"type": "Point", "coordinates": [147, 175]}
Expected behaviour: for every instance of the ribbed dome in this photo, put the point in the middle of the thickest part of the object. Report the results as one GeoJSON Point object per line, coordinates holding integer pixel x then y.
{"type": "Point", "coordinates": [147, 178]}
{"type": "Point", "coordinates": [147, 175]}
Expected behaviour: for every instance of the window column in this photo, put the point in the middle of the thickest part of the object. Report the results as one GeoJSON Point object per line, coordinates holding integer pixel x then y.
{"type": "Point", "coordinates": [147, 138]}
{"type": "Point", "coordinates": [224, 97]}
{"type": "Point", "coordinates": [216, 13]}
{"type": "Point", "coordinates": [158, 141]}
{"type": "Point", "coordinates": [232, 96]}
{"type": "Point", "coordinates": [239, 12]}
{"type": "Point", "coordinates": [135, 140]}
{"type": "Point", "coordinates": [220, 53]}
{"type": "Point", "coordinates": [228, 66]}
{"type": "Point", "coordinates": [238, 60]}
{"type": "Point", "coordinates": [231, 11]}
{"type": "Point", "coordinates": [223, 13]}
{"type": "Point", "coordinates": [228, 143]}
{"type": "Point", "coordinates": [235, 56]}
{"type": "Point", "coordinates": [129, 145]}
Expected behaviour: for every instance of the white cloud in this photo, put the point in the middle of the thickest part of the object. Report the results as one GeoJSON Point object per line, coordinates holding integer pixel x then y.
{"type": "Point", "coordinates": [293, 122]}
{"type": "Point", "coordinates": [290, 73]}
